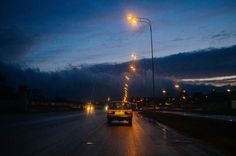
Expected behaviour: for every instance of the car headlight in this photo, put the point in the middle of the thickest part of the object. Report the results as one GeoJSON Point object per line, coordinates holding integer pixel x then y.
{"type": "Point", "coordinates": [106, 108]}
{"type": "Point", "coordinates": [88, 108]}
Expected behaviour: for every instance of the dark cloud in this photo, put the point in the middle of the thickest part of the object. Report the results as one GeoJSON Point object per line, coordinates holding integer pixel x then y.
{"type": "Point", "coordinates": [103, 80]}
{"type": "Point", "coordinates": [25, 22]}
{"type": "Point", "coordinates": [202, 63]}
{"type": "Point", "coordinates": [222, 35]}
{"type": "Point", "coordinates": [37, 11]}
{"type": "Point", "coordinates": [14, 43]}
{"type": "Point", "coordinates": [180, 39]}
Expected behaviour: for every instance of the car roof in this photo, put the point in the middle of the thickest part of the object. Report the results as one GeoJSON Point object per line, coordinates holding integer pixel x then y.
{"type": "Point", "coordinates": [119, 102]}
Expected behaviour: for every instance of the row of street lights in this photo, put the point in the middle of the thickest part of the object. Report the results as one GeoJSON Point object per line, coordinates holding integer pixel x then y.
{"type": "Point", "coordinates": [176, 86]}
{"type": "Point", "coordinates": [134, 20]}
{"type": "Point", "coordinates": [133, 69]}
{"type": "Point", "coordinates": [127, 78]}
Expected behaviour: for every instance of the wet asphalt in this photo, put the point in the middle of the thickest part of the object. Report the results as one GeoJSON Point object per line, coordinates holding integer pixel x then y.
{"type": "Point", "coordinates": [80, 133]}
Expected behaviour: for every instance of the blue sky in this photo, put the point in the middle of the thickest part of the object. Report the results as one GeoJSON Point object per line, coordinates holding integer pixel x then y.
{"type": "Point", "coordinates": [53, 34]}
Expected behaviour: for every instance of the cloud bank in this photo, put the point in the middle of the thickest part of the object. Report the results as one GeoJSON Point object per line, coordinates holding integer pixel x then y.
{"type": "Point", "coordinates": [196, 71]}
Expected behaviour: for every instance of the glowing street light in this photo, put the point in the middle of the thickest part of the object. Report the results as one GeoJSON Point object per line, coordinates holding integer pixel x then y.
{"type": "Point", "coordinates": [129, 17]}
{"type": "Point", "coordinates": [134, 56]}
{"type": "Point", "coordinates": [228, 90]}
{"type": "Point", "coordinates": [132, 67]}
{"type": "Point", "coordinates": [163, 91]}
{"type": "Point", "coordinates": [177, 86]}
{"type": "Point", "coordinates": [133, 19]}
{"type": "Point", "coordinates": [127, 78]}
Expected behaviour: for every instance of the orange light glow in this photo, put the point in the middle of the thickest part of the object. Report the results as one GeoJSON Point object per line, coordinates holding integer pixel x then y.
{"type": "Point", "coordinates": [177, 86]}
{"type": "Point", "coordinates": [127, 77]}
{"type": "Point", "coordinates": [129, 17]}
{"type": "Point", "coordinates": [132, 19]}
{"type": "Point", "coordinates": [132, 68]}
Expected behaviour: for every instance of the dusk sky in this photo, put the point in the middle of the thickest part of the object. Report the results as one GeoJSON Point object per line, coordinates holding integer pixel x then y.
{"type": "Point", "coordinates": [51, 35]}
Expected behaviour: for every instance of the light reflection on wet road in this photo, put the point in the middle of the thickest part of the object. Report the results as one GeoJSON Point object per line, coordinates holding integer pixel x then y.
{"type": "Point", "coordinates": [81, 134]}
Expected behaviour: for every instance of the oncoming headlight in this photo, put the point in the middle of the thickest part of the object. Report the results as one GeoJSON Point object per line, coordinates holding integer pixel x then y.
{"type": "Point", "coordinates": [106, 108]}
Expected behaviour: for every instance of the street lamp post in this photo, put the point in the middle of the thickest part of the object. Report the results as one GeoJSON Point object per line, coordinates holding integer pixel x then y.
{"type": "Point", "coordinates": [134, 20]}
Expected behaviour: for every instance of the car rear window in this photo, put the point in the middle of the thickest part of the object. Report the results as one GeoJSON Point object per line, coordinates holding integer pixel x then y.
{"type": "Point", "coordinates": [119, 105]}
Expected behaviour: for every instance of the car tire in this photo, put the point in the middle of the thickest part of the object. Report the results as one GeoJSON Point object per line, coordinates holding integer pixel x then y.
{"type": "Point", "coordinates": [130, 122]}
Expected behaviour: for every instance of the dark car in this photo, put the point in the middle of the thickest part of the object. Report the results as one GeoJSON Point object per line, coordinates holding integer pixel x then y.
{"type": "Point", "coordinates": [119, 111]}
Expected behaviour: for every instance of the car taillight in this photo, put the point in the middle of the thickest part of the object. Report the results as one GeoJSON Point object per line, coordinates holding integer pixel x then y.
{"type": "Point", "coordinates": [129, 112]}
{"type": "Point", "coordinates": [110, 112]}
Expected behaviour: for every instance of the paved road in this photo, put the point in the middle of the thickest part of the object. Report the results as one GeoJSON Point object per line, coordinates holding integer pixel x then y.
{"type": "Point", "coordinates": [78, 134]}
